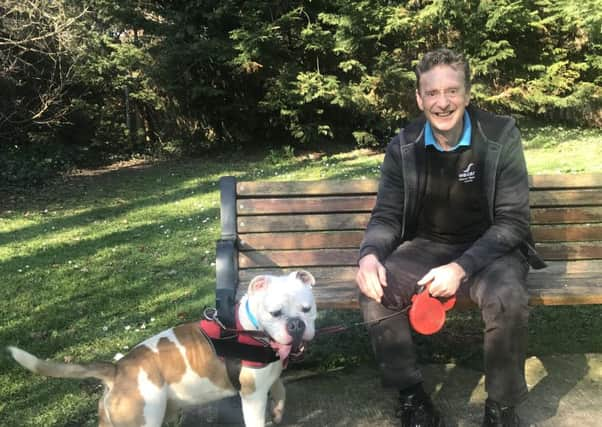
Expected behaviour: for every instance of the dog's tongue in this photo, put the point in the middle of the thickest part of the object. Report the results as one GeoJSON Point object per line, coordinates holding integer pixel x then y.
{"type": "Point", "coordinates": [283, 350]}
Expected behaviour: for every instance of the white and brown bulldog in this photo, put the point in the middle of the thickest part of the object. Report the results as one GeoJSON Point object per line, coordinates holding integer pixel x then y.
{"type": "Point", "coordinates": [178, 367]}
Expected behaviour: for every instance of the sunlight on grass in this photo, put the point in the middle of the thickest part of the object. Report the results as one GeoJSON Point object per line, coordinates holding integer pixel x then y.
{"type": "Point", "coordinates": [568, 157]}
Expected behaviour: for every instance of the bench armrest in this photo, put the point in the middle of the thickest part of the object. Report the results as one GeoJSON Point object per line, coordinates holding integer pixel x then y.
{"type": "Point", "coordinates": [227, 253]}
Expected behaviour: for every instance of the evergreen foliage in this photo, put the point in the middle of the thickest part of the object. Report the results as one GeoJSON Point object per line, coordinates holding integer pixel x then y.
{"type": "Point", "coordinates": [91, 81]}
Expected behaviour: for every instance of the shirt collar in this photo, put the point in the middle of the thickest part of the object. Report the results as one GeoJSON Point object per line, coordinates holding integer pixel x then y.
{"type": "Point", "coordinates": [429, 138]}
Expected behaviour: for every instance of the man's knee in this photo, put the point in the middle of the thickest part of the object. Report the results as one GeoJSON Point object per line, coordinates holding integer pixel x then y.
{"type": "Point", "coordinates": [505, 306]}
{"type": "Point", "coordinates": [500, 292]}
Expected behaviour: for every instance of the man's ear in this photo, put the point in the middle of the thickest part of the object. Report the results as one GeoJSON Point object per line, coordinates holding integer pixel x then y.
{"type": "Point", "coordinates": [305, 277]}
{"type": "Point", "coordinates": [419, 100]}
{"type": "Point", "coordinates": [258, 284]}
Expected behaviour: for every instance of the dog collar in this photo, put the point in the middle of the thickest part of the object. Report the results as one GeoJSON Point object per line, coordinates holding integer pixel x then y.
{"type": "Point", "coordinates": [251, 316]}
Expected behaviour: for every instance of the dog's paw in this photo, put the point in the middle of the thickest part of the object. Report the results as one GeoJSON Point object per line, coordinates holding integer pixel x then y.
{"type": "Point", "coordinates": [277, 416]}
{"type": "Point", "coordinates": [277, 411]}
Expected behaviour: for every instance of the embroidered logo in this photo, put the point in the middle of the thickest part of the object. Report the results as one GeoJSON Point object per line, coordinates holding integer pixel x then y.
{"type": "Point", "coordinates": [468, 175]}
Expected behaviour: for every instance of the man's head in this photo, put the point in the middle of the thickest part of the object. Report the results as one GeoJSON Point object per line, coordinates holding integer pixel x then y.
{"type": "Point", "coordinates": [443, 91]}
{"type": "Point", "coordinates": [443, 56]}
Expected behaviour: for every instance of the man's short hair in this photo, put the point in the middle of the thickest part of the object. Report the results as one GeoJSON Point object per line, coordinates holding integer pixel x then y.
{"type": "Point", "coordinates": [443, 56]}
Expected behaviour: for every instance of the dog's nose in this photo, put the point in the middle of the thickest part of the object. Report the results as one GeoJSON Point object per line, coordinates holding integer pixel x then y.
{"type": "Point", "coordinates": [295, 327]}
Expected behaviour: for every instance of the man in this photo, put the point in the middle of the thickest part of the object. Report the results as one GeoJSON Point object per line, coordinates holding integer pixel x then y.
{"type": "Point", "coordinates": [452, 209]}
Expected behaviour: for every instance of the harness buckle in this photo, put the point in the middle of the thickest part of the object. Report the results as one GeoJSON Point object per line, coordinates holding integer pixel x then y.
{"type": "Point", "coordinates": [210, 314]}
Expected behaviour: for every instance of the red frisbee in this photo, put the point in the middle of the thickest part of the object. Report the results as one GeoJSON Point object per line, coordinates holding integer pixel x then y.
{"type": "Point", "coordinates": [427, 314]}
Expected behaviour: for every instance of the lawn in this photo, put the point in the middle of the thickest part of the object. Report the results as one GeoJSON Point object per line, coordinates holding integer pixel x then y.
{"type": "Point", "coordinates": [94, 263]}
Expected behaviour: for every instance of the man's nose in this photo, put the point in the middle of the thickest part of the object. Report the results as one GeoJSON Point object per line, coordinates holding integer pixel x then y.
{"type": "Point", "coordinates": [442, 99]}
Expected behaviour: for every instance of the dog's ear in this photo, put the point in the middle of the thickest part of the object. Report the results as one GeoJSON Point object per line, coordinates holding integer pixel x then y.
{"type": "Point", "coordinates": [258, 283]}
{"type": "Point", "coordinates": [305, 277]}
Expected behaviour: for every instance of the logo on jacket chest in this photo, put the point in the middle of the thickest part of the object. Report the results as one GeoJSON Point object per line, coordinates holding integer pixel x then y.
{"type": "Point", "coordinates": [468, 174]}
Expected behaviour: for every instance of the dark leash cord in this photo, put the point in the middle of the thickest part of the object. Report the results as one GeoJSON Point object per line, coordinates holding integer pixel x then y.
{"type": "Point", "coordinates": [210, 314]}
{"type": "Point", "coordinates": [328, 330]}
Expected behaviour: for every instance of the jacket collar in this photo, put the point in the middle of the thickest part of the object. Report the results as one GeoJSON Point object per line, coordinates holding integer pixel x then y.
{"type": "Point", "coordinates": [486, 129]}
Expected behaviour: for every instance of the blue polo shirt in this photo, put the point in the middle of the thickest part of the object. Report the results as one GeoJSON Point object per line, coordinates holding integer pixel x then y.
{"type": "Point", "coordinates": [429, 138]}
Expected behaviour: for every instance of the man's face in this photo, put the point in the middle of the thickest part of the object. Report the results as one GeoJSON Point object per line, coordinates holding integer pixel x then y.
{"type": "Point", "coordinates": [443, 98]}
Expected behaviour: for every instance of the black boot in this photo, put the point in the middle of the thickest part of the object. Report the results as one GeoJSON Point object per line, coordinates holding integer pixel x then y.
{"type": "Point", "coordinates": [497, 415]}
{"type": "Point", "coordinates": [417, 410]}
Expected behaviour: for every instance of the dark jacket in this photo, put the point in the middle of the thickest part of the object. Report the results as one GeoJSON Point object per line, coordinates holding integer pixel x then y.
{"type": "Point", "coordinates": [496, 140]}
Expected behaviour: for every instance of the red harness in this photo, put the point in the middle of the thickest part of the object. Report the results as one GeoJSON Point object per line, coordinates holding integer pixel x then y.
{"type": "Point", "coordinates": [251, 351]}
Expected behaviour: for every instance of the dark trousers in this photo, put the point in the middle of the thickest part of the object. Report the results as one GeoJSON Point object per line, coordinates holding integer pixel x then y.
{"type": "Point", "coordinates": [498, 290]}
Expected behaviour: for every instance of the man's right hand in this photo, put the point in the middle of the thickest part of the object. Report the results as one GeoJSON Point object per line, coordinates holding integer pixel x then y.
{"type": "Point", "coordinates": [371, 277]}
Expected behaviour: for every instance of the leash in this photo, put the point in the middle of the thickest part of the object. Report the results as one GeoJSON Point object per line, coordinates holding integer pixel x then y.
{"type": "Point", "coordinates": [211, 315]}
{"type": "Point", "coordinates": [335, 329]}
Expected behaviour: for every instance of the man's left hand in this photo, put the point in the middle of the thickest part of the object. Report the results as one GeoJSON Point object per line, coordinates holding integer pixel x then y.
{"type": "Point", "coordinates": [444, 280]}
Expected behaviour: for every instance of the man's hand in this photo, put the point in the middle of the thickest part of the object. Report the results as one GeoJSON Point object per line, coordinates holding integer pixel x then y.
{"type": "Point", "coordinates": [371, 277]}
{"type": "Point", "coordinates": [444, 280]}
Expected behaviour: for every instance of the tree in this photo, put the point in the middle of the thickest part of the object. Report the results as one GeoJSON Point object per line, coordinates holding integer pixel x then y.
{"type": "Point", "coordinates": [36, 66]}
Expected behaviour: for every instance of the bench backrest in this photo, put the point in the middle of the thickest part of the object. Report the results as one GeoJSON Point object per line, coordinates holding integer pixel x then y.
{"type": "Point", "coordinates": [318, 225]}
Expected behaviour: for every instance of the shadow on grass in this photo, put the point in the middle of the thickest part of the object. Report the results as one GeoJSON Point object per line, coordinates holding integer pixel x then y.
{"type": "Point", "coordinates": [123, 202]}
{"type": "Point", "coordinates": [88, 248]}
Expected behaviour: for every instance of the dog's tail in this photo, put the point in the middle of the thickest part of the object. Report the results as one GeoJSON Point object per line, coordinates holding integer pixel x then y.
{"type": "Point", "coordinates": [103, 371]}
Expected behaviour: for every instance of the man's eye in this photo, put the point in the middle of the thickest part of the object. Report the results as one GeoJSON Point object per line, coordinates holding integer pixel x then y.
{"type": "Point", "coordinates": [276, 313]}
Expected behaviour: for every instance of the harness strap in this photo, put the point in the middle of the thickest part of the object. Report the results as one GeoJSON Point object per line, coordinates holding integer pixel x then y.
{"type": "Point", "coordinates": [233, 367]}
{"type": "Point", "coordinates": [237, 349]}
{"type": "Point", "coordinates": [232, 349]}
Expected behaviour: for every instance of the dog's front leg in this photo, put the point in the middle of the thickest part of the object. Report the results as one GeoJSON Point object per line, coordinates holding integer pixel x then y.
{"type": "Point", "coordinates": [278, 395]}
{"type": "Point", "coordinates": [253, 408]}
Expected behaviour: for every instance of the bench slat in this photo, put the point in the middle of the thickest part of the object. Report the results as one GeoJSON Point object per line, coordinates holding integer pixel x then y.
{"type": "Point", "coordinates": [307, 258]}
{"type": "Point", "coordinates": [573, 215]}
{"type": "Point", "coordinates": [544, 289]}
{"type": "Point", "coordinates": [567, 233]}
{"type": "Point", "coordinates": [300, 188]}
{"type": "Point", "coordinates": [370, 186]}
{"type": "Point", "coordinates": [359, 221]}
{"type": "Point", "coordinates": [305, 205]}
{"type": "Point", "coordinates": [590, 197]}
{"type": "Point", "coordinates": [352, 238]}
{"type": "Point", "coordinates": [365, 203]}
{"type": "Point", "coordinates": [334, 257]}
{"type": "Point", "coordinates": [259, 224]}
{"type": "Point", "coordinates": [555, 271]}
{"type": "Point", "coordinates": [569, 251]}
{"type": "Point", "coordinates": [345, 295]}
{"type": "Point", "coordinates": [306, 240]}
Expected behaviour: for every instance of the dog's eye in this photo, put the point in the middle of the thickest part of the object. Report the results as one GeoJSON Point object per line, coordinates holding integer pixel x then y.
{"type": "Point", "coordinates": [306, 309]}
{"type": "Point", "coordinates": [276, 313]}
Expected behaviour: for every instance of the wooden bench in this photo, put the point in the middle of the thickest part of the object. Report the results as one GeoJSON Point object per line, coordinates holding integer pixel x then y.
{"type": "Point", "coordinates": [318, 226]}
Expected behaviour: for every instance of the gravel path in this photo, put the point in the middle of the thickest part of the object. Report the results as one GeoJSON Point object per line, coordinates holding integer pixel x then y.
{"type": "Point", "coordinates": [565, 391]}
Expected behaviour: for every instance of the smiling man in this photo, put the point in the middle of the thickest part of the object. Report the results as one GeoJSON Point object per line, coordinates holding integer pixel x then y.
{"type": "Point", "coordinates": [452, 210]}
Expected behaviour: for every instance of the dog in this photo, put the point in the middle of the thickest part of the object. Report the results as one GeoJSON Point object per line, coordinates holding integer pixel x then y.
{"type": "Point", "coordinates": [179, 367]}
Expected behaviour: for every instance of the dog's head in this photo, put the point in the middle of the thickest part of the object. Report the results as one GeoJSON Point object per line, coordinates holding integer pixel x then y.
{"type": "Point", "coordinates": [285, 309]}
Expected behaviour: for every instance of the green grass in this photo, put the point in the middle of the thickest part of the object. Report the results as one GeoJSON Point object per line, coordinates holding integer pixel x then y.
{"type": "Point", "coordinates": [560, 150]}
{"type": "Point", "coordinates": [93, 264]}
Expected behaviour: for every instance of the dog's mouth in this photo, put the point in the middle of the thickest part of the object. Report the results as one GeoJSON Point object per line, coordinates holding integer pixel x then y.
{"type": "Point", "coordinates": [293, 349]}
{"type": "Point", "coordinates": [283, 350]}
